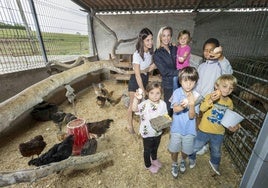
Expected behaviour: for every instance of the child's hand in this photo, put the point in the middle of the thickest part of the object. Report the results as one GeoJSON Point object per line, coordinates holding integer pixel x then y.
{"type": "Point", "coordinates": [191, 99]}
{"type": "Point", "coordinates": [215, 95]}
{"type": "Point", "coordinates": [184, 103]}
{"type": "Point", "coordinates": [235, 128]}
{"type": "Point", "coordinates": [181, 59]}
{"type": "Point", "coordinates": [188, 101]}
{"type": "Point", "coordinates": [139, 93]}
{"type": "Point", "coordinates": [216, 53]}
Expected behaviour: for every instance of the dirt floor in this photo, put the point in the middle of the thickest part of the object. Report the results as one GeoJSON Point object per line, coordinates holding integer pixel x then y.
{"type": "Point", "coordinates": [127, 169]}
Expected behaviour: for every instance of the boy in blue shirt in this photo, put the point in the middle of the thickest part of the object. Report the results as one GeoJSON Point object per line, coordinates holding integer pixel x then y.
{"type": "Point", "coordinates": [183, 128]}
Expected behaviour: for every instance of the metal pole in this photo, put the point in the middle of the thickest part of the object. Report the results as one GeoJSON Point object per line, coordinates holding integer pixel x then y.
{"type": "Point", "coordinates": [39, 34]}
{"type": "Point", "coordinates": [28, 29]}
{"type": "Point", "coordinates": [90, 36]}
{"type": "Point", "coordinates": [256, 174]}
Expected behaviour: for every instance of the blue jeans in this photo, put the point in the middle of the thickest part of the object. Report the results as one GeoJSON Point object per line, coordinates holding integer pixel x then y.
{"type": "Point", "coordinates": [215, 142]}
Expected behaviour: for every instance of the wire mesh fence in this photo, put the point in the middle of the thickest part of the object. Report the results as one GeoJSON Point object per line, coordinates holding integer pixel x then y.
{"type": "Point", "coordinates": [244, 37]}
{"type": "Point", "coordinates": [63, 33]}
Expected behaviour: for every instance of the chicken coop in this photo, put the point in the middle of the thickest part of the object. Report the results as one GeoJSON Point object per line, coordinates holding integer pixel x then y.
{"type": "Point", "coordinates": [30, 54]}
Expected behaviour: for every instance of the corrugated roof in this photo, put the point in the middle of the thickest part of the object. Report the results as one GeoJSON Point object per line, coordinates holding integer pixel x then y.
{"type": "Point", "coordinates": [138, 5]}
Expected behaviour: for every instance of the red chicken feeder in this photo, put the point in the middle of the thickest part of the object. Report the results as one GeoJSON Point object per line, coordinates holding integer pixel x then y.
{"type": "Point", "coordinates": [78, 128]}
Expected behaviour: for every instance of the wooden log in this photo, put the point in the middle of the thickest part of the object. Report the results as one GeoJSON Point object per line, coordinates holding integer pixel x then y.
{"type": "Point", "coordinates": [12, 108]}
{"type": "Point", "coordinates": [72, 163]}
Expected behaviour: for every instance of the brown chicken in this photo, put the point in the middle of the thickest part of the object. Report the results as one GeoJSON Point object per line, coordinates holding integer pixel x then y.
{"type": "Point", "coordinates": [99, 127]}
{"type": "Point", "coordinates": [100, 90]}
{"type": "Point", "coordinates": [256, 92]}
{"type": "Point", "coordinates": [33, 147]}
{"type": "Point", "coordinates": [56, 153]}
{"type": "Point", "coordinates": [115, 101]}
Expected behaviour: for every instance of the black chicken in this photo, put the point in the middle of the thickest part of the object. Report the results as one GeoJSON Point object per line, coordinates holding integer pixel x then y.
{"type": "Point", "coordinates": [90, 147]}
{"type": "Point", "coordinates": [62, 118]}
{"type": "Point", "coordinates": [33, 147]}
{"type": "Point", "coordinates": [57, 153]}
{"type": "Point", "coordinates": [58, 118]}
{"type": "Point", "coordinates": [99, 127]}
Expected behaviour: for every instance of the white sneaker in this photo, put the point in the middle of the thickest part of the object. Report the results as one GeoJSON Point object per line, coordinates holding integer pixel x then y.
{"type": "Point", "coordinates": [203, 150]}
{"type": "Point", "coordinates": [175, 170]}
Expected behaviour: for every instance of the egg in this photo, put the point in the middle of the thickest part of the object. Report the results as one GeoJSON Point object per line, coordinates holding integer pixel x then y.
{"type": "Point", "coordinates": [218, 92]}
{"type": "Point", "coordinates": [140, 92]}
{"type": "Point", "coordinates": [185, 101]}
{"type": "Point", "coordinates": [217, 50]}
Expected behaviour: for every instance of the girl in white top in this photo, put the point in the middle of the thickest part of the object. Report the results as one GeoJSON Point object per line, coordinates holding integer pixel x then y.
{"type": "Point", "coordinates": [147, 110]}
{"type": "Point", "coordinates": [142, 63]}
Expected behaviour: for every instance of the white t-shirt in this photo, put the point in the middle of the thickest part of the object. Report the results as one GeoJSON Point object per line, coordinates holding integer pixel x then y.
{"type": "Point", "coordinates": [138, 60]}
{"type": "Point", "coordinates": [147, 111]}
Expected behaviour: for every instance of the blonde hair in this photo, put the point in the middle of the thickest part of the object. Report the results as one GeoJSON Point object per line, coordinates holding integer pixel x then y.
{"type": "Point", "coordinates": [159, 35]}
{"type": "Point", "coordinates": [227, 77]}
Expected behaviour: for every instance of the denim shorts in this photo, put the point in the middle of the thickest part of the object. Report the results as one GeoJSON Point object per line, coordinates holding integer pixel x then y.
{"type": "Point", "coordinates": [133, 85]}
{"type": "Point", "coordinates": [178, 142]}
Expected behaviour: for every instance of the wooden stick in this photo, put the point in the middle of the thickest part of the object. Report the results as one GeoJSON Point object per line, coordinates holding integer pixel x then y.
{"type": "Point", "coordinates": [72, 163]}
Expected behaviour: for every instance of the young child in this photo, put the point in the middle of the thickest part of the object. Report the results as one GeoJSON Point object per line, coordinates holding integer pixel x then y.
{"type": "Point", "coordinates": [183, 128]}
{"type": "Point", "coordinates": [210, 128]}
{"type": "Point", "coordinates": [183, 53]}
{"type": "Point", "coordinates": [148, 109]}
{"type": "Point", "coordinates": [214, 66]}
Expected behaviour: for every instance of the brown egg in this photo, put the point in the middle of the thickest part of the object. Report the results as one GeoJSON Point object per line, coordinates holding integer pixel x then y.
{"type": "Point", "coordinates": [218, 92]}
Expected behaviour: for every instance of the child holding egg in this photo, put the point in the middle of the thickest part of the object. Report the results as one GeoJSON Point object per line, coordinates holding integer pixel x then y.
{"type": "Point", "coordinates": [147, 110]}
{"type": "Point", "coordinates": [183, 128]}
{"type": "Point", "coordinates": [210, 129]}
{"type": "Point", "coordinates": [214, 66]}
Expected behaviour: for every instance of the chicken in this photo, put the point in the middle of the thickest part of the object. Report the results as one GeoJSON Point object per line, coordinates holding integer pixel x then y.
{"type": "Point", "coordinates": [58, 118]}
{"type": "Point", "coordinates": [115, 101]}
{"type": "Point", "coordinates": [57, 153]}
{"type": "Point", "coordinates": [89, 148]}
{"type": "Point", "coordinates": [99, 127]}
{"type": "Point", "coordinates": [257, 92]}
{"type": "Point", "coordinates": [33, 147]}
{"type": "Point", "coordinates": [69, 117]}
{"type": "Point", "coordinates": [100, 90]}
{"type": "Point", "coordinates": [62, 119]}
{"type": "Point", "coordinates": [104, 95]}
{"type": "Point", "coordinates": [101, 101]}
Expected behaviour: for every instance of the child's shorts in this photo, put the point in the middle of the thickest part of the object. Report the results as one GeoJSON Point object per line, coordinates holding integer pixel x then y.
{"type": "Point", "coordinates": [178, 142]}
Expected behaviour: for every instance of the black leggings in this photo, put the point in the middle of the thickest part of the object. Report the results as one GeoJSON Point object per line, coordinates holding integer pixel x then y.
{"type": "Point", "coordinates": [150, 146]}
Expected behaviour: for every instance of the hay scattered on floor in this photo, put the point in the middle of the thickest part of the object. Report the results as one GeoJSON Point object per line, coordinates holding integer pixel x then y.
{"type": "Point", "coordinates": [127, 169]}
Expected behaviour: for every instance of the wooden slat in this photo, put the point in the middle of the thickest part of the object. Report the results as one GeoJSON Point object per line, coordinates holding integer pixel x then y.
{"type": "Point", "coordinates": [123, 64]}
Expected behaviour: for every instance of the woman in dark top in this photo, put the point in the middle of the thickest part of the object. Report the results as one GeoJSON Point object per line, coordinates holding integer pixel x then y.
{"type": "Point", "coordinates": [165, 60]}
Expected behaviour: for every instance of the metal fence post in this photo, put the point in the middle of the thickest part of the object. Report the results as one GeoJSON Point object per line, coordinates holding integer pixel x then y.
{"type": "Point", "coordinates": [39, 34]}
{"type": "Point", "coordinates": [257, 168]}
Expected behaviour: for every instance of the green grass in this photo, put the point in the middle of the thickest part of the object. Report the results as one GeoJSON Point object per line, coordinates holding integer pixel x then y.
{"type": "Point", "coordinates": [17, 43]}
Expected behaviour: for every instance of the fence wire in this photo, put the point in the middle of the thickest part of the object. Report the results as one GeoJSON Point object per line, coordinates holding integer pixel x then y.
{"type": "Point", "coordinates": [63, 30]}
{"type": "Point", "coordinates": [244, 37]}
